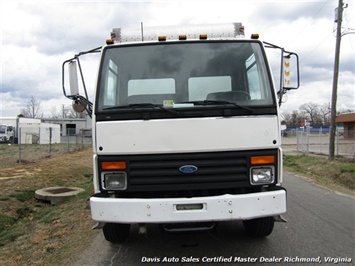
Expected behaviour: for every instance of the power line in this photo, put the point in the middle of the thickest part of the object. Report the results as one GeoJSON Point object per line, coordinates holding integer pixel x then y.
{"type": "Point", "coordinates": [310, 52]}
{"type": "Point", "coordinates": [309, 22]}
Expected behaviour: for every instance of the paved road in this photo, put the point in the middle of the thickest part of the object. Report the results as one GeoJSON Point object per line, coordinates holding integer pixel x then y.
{"type": "Point", "coordinates": [321, 224]}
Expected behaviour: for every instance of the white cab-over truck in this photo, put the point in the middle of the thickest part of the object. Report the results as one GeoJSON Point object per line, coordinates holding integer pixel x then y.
{"type": "Point", "coordinates": [7, 133]}
{"type": "Point", "coordinates": [186, 129]}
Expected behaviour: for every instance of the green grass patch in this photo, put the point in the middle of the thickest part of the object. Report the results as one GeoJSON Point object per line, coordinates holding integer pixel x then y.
{"type": "Point", "coordinates": [338, 172]}
{"type": "Point", "coordinates": [24, 212]}
{"type": "Point", "coordinates": [23, 195]}
{"type": "Point", "coordinates": [46, 215]}
{"type": "Point", "coordinates": [5, 198]}
{"type": "Point", "coordinates": [7, 235]}
{"type": "Point", "coordinates": [6, 221]}
{"type": "Point", "coordinates": [348, 168]}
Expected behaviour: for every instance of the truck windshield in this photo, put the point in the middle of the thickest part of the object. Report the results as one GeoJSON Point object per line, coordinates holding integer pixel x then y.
{"type": "Point", "coordinates": [184, 76]}
{"type": "Point", "coordinates": [3, 129]}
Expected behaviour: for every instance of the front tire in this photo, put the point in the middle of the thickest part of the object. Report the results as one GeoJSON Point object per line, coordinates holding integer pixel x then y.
{"type": "Point", "coordinates": [260, 227]}
{"type": "Point", "coordinates": [116, 233]}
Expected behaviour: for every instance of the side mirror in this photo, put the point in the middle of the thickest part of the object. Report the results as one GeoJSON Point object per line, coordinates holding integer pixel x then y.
{"type": "Point", "coordinates": [80, 102]}
{"type": "Point", "coordinates": [290, 71]}
{"type": "Point", "coordinates": [73, 78]}
{"type": "Point", "coordinates": [78, 106]}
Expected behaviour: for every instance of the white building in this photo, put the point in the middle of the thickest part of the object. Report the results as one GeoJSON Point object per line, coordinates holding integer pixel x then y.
{"type": "Point", "coordinates": [72, 126]}
{"type": "Point", "coordinates": [32, 130]}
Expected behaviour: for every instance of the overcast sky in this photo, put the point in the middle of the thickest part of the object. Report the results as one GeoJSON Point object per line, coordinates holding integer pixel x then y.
{"type": "Point", "coordinates": [37, 36]}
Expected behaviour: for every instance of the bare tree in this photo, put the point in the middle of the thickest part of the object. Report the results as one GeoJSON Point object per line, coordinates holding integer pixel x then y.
{"type": "Point", "coordinates": [294, 118]}
{"type": "Point", "coordinates": [312, 110]}
{"type": "Point", "coordinates": [66, 111]}
{"type": "Point", "coordinates": [54, 114]}
{"type": "Point", "coordinates": [286, 118]}
{"type": "Point", "coordinates": [324, 111]}
{"type": "Point", "coordinates": [62, 113]}
{"type": "Point", "coordinates": [318, 114]}
{"type": "Point", "coordinates": [33, 109]}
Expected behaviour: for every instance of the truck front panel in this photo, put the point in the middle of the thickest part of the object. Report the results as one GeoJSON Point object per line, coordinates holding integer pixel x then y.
{"type": "Point", "coordinates": [188, 135]}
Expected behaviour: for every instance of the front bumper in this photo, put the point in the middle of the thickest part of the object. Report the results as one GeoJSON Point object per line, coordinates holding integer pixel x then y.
{"type": "Point", "coordinates": [199, 209]}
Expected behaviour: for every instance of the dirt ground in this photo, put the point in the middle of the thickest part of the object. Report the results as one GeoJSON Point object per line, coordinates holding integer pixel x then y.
{"type": "Point", "coordinates": [34, 232]}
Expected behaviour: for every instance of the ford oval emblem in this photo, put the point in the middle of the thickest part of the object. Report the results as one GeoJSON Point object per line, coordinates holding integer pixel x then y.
{"type": "Point", "coordinates": [188, 169]}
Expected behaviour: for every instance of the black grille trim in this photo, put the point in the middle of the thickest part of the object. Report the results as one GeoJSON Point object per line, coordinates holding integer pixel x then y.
{"type": "Point", "coordinates": [216, 170]}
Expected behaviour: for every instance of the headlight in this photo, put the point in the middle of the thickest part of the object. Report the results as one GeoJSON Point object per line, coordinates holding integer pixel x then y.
{"type": "Point", "coordinates": [262, 175]}
{"type": "Point", "coordinates": [114, 180]}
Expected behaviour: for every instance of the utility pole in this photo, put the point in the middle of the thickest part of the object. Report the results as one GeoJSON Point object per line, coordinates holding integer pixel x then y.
{"type": "Point", "coordinates": [333, 111]}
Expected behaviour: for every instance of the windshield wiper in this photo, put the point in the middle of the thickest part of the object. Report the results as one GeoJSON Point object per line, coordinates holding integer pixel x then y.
{"type": "Point", "coordinates": [140, 105]}
{"type": "Point", "coordinates": [132, 105]}
{"type": "Point", "coordinates": [159, 106]}
{"type": "Point", "coordinates": [212, 102]}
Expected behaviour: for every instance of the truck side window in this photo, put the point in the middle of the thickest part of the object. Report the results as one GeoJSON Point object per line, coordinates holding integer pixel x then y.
{"type": "Point", "coordinates": [253, 78]}
{"type": "Point", "coordinates": [110, 95]}
{"type": "Point", "coordinates": [2, 129]}
{"type": "Point", "coordinates": [257, 79]}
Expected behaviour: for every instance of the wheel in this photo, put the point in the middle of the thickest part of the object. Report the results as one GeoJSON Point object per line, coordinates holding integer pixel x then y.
{"type": "Point", "coordinates": [116, 233]}
{"type": "Point", "coordinates": [259, 227]}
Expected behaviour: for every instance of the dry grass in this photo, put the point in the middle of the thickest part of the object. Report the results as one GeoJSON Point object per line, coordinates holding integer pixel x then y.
{"type": "Point", "coordinates": [34, 232]}
{"type": "Point", "coordinates": [337, 175]}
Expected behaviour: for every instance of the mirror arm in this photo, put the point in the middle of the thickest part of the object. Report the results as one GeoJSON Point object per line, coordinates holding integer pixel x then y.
{"type": "Point", "coordinates": [283, 89]}
{"type": "Point", "coordinates": [82, 78]}
{"type": "Point", "coordinates": [84, 101]}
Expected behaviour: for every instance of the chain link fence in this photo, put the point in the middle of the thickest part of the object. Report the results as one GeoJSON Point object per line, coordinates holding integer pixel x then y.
{"type": "Point", "coordinates": [317, 142]}
{"type": "Point", "coordinates": [33, 143]}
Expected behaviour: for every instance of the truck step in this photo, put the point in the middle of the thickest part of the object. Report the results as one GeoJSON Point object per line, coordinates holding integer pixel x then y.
{"type": "Point", "coordinates": [188, 227]}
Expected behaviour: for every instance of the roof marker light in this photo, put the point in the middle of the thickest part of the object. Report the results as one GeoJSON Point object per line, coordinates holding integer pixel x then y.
{"type": "Point", "coordinates": [203, 36]}
{"type": "Point", "coordinates": [182, 37]}
{"type": "Point", "coordinates": [162, 38]}
{"type": "Point", "coordinates": [255, 36]}
{"type": "Point", "coordinates": [109, 41]}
